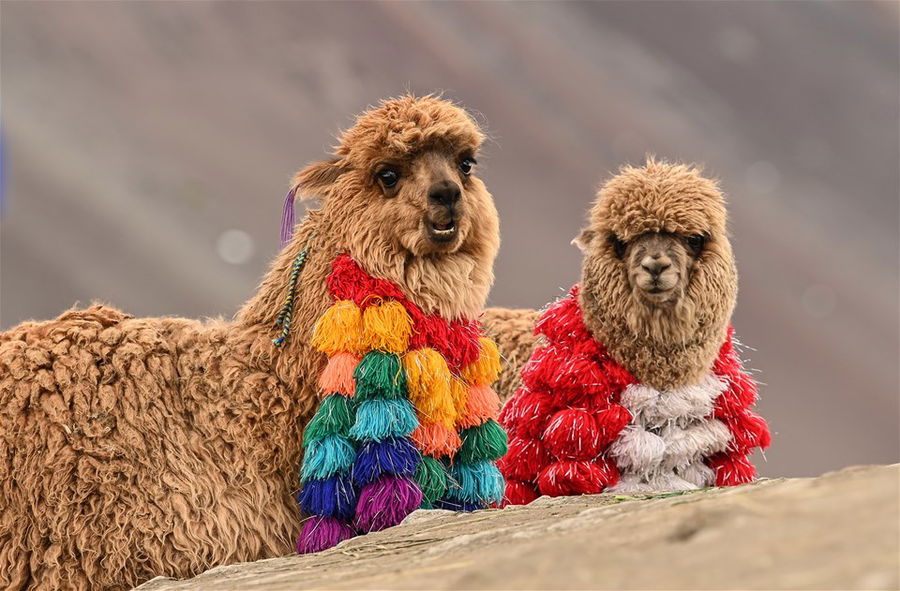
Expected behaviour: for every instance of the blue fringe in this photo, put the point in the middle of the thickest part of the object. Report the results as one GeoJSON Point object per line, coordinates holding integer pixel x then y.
{"type": "Point", "coordinates": [380, 418]}
{"type": "Point", "coordinates": [478, 483]}
{"type": "Point", "coordinates": [394, 455]}
{"type": "Point", "coordinates": [326, 457]}
{"type": "Point", "coordinates": [331, 497]}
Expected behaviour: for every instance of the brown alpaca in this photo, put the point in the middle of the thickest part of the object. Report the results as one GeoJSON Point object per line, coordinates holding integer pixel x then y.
{"type": "Point", "coordinates": [666, 337]}
{"type": "Point", "coordinates": [131, 448]}
{"type": "Point", "coordinates": [637, 386]}
{"type": "Point", "coordinates": [665, 324]}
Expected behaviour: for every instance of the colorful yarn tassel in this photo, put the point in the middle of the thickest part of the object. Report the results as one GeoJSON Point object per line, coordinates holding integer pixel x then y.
{"type": "Point", "coordinates": [334, 417]}
{"type": "Point", "coordinates": [320, 533]}
{"type": "Point", "coordinates": [386, 502]}
{"type": "Point", "coordinates": [431, 476]}
{"type": "Point", "coordinates": [378, 419]}
{"type": "Point", "coordinates": [404, 394]}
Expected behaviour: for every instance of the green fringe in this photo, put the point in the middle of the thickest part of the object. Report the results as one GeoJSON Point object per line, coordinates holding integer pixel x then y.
{"type": "Point", "coordinates": [431, 476]}
{"type": "Point", "coordinates": [484, 442]}
{"type": "Point", "coordinates": [334, 417]}
{"type": "Point", "coordinates": [380, 375]}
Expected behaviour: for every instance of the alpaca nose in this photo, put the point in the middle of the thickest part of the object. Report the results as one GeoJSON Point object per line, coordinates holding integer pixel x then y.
{"type": "Point", "coordinates": [656, 264]}
{"type": "Point", "coordinates": [444, 193]}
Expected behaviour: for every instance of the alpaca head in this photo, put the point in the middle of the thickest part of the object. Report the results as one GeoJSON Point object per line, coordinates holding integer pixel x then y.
{"type": "Point", "coordinates": [403, 188]}
{"type": "Point", "coordinates": [658, 265]}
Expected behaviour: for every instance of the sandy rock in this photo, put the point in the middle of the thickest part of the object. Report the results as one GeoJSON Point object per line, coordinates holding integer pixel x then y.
{"type": "Point", "coordinates": [838, 531]}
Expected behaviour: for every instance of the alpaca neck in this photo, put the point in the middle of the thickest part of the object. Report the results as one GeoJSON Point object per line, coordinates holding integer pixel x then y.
{"type": "Point", "coordinates": [294, 363]}
{"type": "Point", "coordinates": [660, 348]}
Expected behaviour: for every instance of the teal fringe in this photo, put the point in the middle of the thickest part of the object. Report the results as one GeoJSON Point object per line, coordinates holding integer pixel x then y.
{"type": "Point", "coordinates": [478, 482]}
{"type": "Point", "coordinates": [326, 457]}
{"type": "Point", "coordinates": [379, 418]}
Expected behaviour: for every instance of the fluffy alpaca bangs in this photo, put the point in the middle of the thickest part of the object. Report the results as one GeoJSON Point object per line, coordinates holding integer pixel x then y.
{"type": "Point", "coordinates": [659, 197]}
{"type": "Point", "coordinates": [407, 125]}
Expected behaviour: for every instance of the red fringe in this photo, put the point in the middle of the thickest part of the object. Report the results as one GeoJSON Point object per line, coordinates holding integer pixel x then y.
{"type": "Point", "coordinates": [525, 458]}
{"type": "Point", "coordinates": [732, 469]}
{"type": "Point", "coordinates": [519, 493]}
{"type": "Point", "coordinates": [567, 413]}
{"type": "Point", "coordinates": [457, 341]}
{"type": "Point", "coordinates": [571, 477]}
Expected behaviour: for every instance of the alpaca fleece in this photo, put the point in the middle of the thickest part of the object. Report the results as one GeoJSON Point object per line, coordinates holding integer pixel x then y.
{"type": "Point", "coordinates": [131, 448]}
{"type": "Point", "coordinates": [513, 331]}
{"type": "Point", "coordinates": [661, 348]}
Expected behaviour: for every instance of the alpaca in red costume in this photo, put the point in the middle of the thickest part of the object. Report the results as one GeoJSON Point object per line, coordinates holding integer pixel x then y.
{"type": "Point", "coordinates": [635, 385]}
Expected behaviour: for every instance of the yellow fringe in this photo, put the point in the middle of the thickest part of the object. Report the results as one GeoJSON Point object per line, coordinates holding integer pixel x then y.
{"type": "Point", "coordinates": [428, 380]}
{"type": "Point", "coordinates": [387, 327]}
{"type": "Point", "coordinates": [485, 370]}
{"type": "Point", "coordinates": [459, 392]}
{"type": "Point", "coordinates": [340, 329]}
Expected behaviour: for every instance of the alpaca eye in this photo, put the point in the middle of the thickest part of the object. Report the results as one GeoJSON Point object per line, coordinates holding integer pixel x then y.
{"type": "Point", "coordinates": [696, 243]}
{"type": "Point", "coordinates": [388, 177]}
{"type": "Point", "coordinates": [466, 165]}
{"type": "Point", "coordinates": [618, 246]}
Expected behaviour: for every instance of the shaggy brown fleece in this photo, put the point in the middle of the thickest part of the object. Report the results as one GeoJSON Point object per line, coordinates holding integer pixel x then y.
{"type": "Point", "coordinates": [513, 331]}
{"type": "Point", "coordinates": [664, 347]}
{"type": "Point", "coordinates": [131, 448]}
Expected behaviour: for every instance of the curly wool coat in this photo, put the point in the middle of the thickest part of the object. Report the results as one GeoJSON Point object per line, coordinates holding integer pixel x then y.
{"type": "Point", "coordinates": [136, 447]}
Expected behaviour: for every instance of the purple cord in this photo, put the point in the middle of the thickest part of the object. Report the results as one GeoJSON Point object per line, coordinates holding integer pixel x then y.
{"type": "Point", "coordinates": [287, 218]}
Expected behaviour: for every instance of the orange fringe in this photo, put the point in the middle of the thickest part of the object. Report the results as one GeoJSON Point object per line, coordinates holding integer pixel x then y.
{"type": "Point", "coordinates": [482, 404]}
{"type": "Point", "coordinates": [387, 327]}
{"type": "Point", "coordinates": [428, 381]}
{"type": "Point", "coordinates": [337, 376]}
{"type": "Point", "coordinates": [485, 370]}
{"type": "Point", "coordinates": [436, 440]}
{"type": "Point", "coordinates": [340, 329]}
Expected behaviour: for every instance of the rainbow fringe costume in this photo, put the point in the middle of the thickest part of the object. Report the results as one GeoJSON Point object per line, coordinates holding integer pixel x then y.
{"type": "Point", "coordinates": [408, 415]}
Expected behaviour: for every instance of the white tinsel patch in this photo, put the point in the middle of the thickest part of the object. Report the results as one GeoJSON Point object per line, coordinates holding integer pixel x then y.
{"type": "Point", "coordinates": [670, 436]}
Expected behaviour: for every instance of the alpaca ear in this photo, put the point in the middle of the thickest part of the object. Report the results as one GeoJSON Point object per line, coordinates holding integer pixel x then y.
{"type": "Point", "coordinates": [315, 180]}
{"type": "Point", "coordinates": [584, 239]}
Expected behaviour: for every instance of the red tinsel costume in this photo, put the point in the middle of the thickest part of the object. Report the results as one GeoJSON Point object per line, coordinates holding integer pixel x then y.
{"type": "Point", "coordinates": [582, 424]}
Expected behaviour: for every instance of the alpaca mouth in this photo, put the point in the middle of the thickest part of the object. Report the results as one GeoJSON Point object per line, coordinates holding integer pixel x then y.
{"type": "Point", "coordinates": [442, 232]}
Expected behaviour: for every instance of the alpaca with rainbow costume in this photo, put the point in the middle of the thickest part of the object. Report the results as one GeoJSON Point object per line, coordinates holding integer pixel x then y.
{"type": "Point", "coordinates": [635, 384]}
{"type": "Point", "coordinates": [408, 418]}
{"type": "Point", "coordinates": [175, 444]}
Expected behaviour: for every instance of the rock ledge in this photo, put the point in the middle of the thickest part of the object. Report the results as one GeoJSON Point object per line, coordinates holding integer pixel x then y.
{"type": "Point", "coordinates": [838, 531]}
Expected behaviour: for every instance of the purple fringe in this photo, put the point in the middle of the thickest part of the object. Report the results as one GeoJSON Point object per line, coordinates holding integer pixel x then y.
{"type": "Point", "coordinates": [321, 533]}
{"type": "Point", "coordinates": [386, 502]}
{"type": "Point", "coordinates": [287, 218]}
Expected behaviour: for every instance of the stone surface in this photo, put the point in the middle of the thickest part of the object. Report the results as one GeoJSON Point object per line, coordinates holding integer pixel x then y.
{"type": "Point", "coordinates": [838, 531]}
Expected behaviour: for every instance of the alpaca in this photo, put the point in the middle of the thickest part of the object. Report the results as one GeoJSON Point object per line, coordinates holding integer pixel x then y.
{"type": "Point", "coordinates": [137, 447]}
{"type": "Point", "coordinates": [636, 385]}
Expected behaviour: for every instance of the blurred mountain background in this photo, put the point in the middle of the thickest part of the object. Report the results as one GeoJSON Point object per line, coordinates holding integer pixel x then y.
{"type": "Point", "coordinates": [148, 147]}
